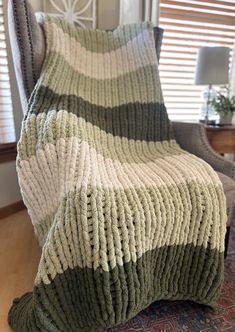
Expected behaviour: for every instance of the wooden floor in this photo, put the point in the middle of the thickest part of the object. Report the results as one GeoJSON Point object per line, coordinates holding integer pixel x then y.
{"type": "Point", "coordinates": [19, 258]}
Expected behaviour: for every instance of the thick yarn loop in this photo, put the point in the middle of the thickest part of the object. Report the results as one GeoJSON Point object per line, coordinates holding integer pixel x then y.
{"type": "Point", "coordinates": [124, 216]}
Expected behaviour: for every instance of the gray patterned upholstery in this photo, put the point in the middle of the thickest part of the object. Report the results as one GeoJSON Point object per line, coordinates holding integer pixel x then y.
{"type": "Point", "coordinates": [229, 189]}
{"type": "Point", "coordinates": [193, 138]}
{"type": "Point", "coordinates": [28, 45]}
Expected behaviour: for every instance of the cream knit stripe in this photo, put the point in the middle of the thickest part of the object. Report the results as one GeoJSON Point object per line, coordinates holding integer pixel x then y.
{"type": "Point", "coordinates": [146, 227]}
{"type": "Point", "coordinates": [64, 173]}
{"type": "Point", "coordinates": [37, 131]}
{"type": "Point", "coordinates": [104, 66]}
{"type": "Point", "coordinates": [103, 42]}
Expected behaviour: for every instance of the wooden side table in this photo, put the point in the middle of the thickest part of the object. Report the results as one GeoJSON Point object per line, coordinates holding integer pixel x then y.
{"type": "Point", "coordinates": [222, 139]}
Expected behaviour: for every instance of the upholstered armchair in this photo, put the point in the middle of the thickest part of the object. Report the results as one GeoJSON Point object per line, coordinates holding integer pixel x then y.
{"type": "Point", "coordinates": [28, 45]}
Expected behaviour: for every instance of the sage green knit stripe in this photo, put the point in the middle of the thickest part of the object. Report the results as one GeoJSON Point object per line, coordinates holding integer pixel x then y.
{"type": "Point", "coordinates": [58, 60]}
{"type": "Point", "coordinates": [57, 175]}
{"type": "Point", "coordinates": [105, 299]}
{"type": "Point", "coordinates": [168, 169]}
{"type": "Point", "coordinates": [107, 93]}
{"type": "Point", "coordinates": [43, 197]}
{"type": "Point", "coordinates": [151, 151]}
{"type": "Point", "coordinates": [141, 222]}
{"type": "Point", "coordinates": [102, 41]}
{"type": "Point", "coordinates": [43, 129]}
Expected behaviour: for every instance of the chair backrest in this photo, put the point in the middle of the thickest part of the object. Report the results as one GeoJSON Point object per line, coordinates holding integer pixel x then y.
{"type": "Point", "coordinates": [28, 46]}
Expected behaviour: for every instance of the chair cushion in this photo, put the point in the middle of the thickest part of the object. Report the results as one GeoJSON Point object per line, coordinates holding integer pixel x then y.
{"type": "Point", "coordinates": [229, 189]}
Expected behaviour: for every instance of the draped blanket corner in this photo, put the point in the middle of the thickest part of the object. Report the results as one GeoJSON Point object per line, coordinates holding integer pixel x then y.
{"type": "Point", "coordinates": [124, 215]}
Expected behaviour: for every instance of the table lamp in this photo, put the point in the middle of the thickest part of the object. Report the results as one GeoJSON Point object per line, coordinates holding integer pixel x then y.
{"type": "Point", "coordinates": [212, 69]}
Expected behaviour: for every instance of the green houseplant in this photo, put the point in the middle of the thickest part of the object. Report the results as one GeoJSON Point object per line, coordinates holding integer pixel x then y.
{"type": "Point", "coordinates": [224, 106]}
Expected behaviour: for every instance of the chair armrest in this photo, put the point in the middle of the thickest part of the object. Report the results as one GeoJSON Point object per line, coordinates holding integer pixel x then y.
{"type": "Point", "coordinates": [192, 137]}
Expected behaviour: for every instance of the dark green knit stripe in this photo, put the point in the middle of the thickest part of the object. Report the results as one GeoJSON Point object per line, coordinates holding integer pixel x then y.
{"type": "Point", "coordinates": [134, 120]}
{"type": "Point", "coordinates": [102, 41]}
{"type": "Point", "coordinates": [83, 299]}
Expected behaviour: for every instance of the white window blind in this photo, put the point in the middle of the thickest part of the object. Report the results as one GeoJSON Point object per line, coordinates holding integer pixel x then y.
{"type": "Point", "coordinates": [7, 130]}
{"type": "Point", "coordinates": [189, 25]}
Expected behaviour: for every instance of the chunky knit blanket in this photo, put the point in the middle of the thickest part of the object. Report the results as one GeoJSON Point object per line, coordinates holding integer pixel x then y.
{"type": "Point", "coordinates": [124, 215]}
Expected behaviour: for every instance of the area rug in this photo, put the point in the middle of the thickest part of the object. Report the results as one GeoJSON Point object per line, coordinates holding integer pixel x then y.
{"type": "Point", "coordinates": [166, 316]}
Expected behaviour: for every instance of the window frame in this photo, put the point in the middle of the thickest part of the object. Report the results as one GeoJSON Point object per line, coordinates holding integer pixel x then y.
{"type": "Point", "coordinates": [183, 36]}
{"type": "Point", "coordinates": [8, 151]}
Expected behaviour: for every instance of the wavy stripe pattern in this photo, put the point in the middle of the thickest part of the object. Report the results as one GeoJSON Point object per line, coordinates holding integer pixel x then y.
{"type": "Point", "coordinates": [124, 215]}
{"type": "Point", "coordinates": [62, 177]}
{"type": "Point", "coordinates": [75, 55]}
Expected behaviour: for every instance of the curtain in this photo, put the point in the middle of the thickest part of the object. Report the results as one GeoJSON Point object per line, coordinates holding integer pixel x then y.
{"type": "Point", "coordinates": [139, 10]}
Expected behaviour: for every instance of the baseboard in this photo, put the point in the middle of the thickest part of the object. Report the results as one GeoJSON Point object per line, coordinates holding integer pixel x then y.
{"type": "Point", "coordinates": [10, 209]}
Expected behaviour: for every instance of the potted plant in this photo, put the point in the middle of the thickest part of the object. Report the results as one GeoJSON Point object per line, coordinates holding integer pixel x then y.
{"type": "Point", "coordinates": [224, 106]}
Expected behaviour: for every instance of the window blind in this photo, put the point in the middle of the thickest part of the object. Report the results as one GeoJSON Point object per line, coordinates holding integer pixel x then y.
{"type": "Point", "coordinates": [7, 130]}
{"type": "Point", "coordinates": [189, 25]}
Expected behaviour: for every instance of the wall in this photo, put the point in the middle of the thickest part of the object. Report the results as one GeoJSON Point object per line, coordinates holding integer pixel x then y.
{"type": "Point", "coordinates": [9, 189]}
{"type": "Point", "coordinates": [36, 4]}
{"type": "Point", "coordinates": [232, 74]}
{"type": "Point", "coordinates": [108, 14]}
{"type": "Point", "coordinates": [138, 10]}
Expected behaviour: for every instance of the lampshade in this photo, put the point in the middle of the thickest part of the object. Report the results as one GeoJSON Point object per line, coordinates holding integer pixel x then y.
{"type": "Point", "coordinates": [212, 66]}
